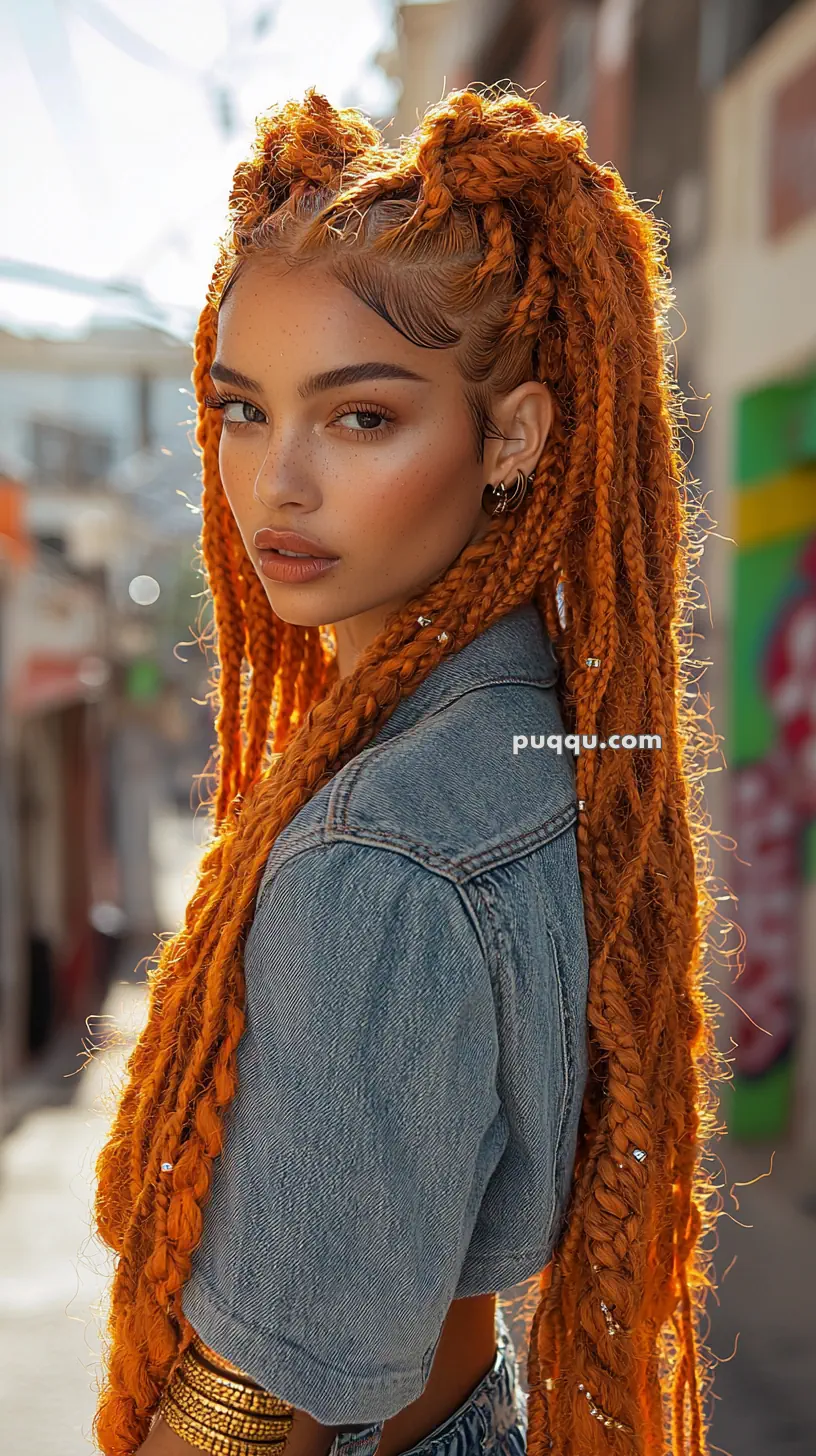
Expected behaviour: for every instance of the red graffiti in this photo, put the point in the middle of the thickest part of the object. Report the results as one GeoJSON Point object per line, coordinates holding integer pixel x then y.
{"type": "Point", "coordinates": [768, 890]}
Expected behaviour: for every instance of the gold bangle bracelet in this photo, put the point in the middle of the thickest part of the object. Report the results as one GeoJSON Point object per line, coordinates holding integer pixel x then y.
{"type": "Point", "coordinates": [216, 1406]}
{"type": "Point", "coordinates": [232, 1392]}
{"type": "Point", "coordinates": [206, 1439]}
{"type": "Point", "coordinates": [225, 1419]}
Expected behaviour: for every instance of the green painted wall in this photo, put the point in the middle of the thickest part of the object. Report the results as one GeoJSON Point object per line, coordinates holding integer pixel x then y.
{"type": "Point", "coordinates": [776, 429]}
{"type": "Point", "coordinates": [763, 576]}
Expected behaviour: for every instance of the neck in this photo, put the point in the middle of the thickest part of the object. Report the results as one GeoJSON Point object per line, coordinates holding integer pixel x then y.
{"type": "Point", "coordinates": [354, 634]}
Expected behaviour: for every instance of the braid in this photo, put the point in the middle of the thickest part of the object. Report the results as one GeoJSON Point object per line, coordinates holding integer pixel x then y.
{"type": "Point", "coordinates": [220, 564]}
{"type": "Point", "coordinates": [294, 645]}
{"type": "Point", "coordinates": [312, 671]}
{"type": "Point", "coordinates": [492, 231]}
{"type": "Point", "coordinates": [264, 653]}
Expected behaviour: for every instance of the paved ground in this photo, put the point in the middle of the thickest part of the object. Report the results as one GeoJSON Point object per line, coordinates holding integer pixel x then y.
{"type": "Point", "coordinates": [53, 1275]}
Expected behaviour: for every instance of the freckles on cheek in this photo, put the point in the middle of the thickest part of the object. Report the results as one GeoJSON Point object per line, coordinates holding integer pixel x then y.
{"type": "Point", "coordinates": [237, 477]}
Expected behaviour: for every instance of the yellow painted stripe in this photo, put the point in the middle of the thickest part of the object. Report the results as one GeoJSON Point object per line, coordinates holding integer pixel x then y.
{"type": "Point", "coordinates": [781, 506]}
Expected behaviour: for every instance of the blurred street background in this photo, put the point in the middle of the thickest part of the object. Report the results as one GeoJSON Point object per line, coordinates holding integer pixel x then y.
{"type": "Point", "coordinates": [121, 127]}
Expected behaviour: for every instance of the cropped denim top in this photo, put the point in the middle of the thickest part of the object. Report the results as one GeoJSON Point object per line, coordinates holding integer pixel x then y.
{"type": "Point", "coordinates": [414, 1059]}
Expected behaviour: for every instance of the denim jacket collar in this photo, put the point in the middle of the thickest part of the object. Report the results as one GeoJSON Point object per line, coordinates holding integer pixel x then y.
{"type": "Point", "coordinates": [515, 649]}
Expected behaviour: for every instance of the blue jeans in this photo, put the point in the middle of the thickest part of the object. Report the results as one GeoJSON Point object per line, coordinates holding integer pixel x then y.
{"type": "Point", "coordinates": [493, 1419]}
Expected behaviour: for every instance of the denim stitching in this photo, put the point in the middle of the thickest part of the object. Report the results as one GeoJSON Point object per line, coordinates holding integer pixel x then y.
{"type": "Point", "coordinates": [424, 855]}
{"type": "Point", "coordinates": [241, 1319]}
{"type": "Point", "coordinates": [472, 864]}
{"type": "Point", "coordinates": [331, 830]}
{"type": "Point", "coordinates": [566, 1068]}
{"type": "Point", "coordinates": [482, 895]}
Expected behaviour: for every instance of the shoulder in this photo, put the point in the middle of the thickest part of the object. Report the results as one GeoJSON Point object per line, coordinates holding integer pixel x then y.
{"type": "Point", "coordinates": [457, 791]}
{"type": "Point", "coordinates": [353, 928]}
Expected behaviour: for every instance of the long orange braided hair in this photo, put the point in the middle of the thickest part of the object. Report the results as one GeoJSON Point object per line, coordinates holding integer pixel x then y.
{"type": "Point", "coordinates": [489, 230]}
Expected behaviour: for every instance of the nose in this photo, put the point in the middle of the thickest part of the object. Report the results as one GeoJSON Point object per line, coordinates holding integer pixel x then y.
{"type": "Point", "coordinates": [283, 480]}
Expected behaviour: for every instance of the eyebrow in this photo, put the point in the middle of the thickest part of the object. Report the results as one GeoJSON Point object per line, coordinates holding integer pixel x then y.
{"type": "Point", "coordinates": [329, 379]}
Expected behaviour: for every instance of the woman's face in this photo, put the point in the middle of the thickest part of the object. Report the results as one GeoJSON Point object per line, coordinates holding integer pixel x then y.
{"type": "Point", "coordinates": [378, 473]}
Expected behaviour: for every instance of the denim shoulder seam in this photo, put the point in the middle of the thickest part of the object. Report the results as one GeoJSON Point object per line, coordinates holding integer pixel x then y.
{"type": "Point", "coordinates": [469, 866]}
{"type": "Point", "coordinates": [459, 872]}
{"type": "Point", "coordinates": [317, 838]}
{"type": "Point", "coordinates": [306, 839]}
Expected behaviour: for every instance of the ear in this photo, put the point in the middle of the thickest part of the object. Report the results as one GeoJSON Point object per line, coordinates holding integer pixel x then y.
{"type": "Point", "coordinates": [524, 417]}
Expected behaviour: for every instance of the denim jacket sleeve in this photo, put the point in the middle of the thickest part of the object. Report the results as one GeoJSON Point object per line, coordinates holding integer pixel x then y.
{"type": "Point", "coordinates": [367, 1100]}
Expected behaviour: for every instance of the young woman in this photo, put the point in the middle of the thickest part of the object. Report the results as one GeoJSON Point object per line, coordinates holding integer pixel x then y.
{"type": "Point", "coordinates": [434, 1023]}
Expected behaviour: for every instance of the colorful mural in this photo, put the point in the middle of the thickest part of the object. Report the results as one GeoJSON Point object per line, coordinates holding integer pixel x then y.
{"type": "Point", "coordinates": [772, 754]}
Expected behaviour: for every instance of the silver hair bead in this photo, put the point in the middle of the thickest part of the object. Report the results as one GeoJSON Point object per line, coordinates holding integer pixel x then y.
{"type": "Point", "coordinates": [425, 621]}
{"type": "Point", "coordinates": [600, 1415]}
{"type": "Point", "coordinates": [443, 637]}
{"type": "Point", "coordinates": [611, 1323]}
{"type": "Point", "coordinates": [639, 1154]}
{"type": "Point", "coordinates": [593, 661]}
{"type": "Point", "coordinates": [167, 1167]}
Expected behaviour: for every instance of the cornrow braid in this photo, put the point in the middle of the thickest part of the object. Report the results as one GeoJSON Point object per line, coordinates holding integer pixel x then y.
{"type": "Point", "coordinates": [491, 231]}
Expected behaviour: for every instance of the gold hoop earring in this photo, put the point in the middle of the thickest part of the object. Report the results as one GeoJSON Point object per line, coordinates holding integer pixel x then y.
{"type": "Point", "coordinates": [503, 499]}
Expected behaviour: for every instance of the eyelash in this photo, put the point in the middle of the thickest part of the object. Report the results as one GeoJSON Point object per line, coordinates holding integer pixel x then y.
{"type": "Point", "coordinates": [218, 402]}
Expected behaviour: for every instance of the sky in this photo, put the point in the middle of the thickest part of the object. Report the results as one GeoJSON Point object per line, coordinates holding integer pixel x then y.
{"type": "Point", "coordinates": [122, 124]}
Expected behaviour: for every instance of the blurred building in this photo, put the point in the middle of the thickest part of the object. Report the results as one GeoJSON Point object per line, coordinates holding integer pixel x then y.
{"type": "Point", "coordinates": [708, 109]}
{"type": "Point", "coordinates": [15, 555]}
{"type": "Point", "coordinates": [759, 337]}
{"type": "Point", "coordinates": [435, 43]}
{"type": "Point", "coordinates": [97, 712]}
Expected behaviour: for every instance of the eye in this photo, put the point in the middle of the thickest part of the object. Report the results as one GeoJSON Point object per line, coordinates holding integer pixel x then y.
{"type": "Point", "coordinates": [374, 420]}
{"type": "Point", "coordinates": [237, 412]}
{"type": "Point", "coordinates": [241, 405]}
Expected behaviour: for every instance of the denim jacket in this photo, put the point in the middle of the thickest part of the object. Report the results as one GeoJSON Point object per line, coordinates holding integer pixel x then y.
{"type": "Point", "coordinates": [414, 1059]}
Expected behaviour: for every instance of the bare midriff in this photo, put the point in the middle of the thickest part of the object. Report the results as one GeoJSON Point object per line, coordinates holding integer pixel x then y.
{"type": "Point", "coordinates": [465, 1353]}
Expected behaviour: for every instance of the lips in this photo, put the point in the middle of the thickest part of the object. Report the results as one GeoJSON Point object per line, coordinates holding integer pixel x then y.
{"type": "Point", "coordinates": [269, 540]}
